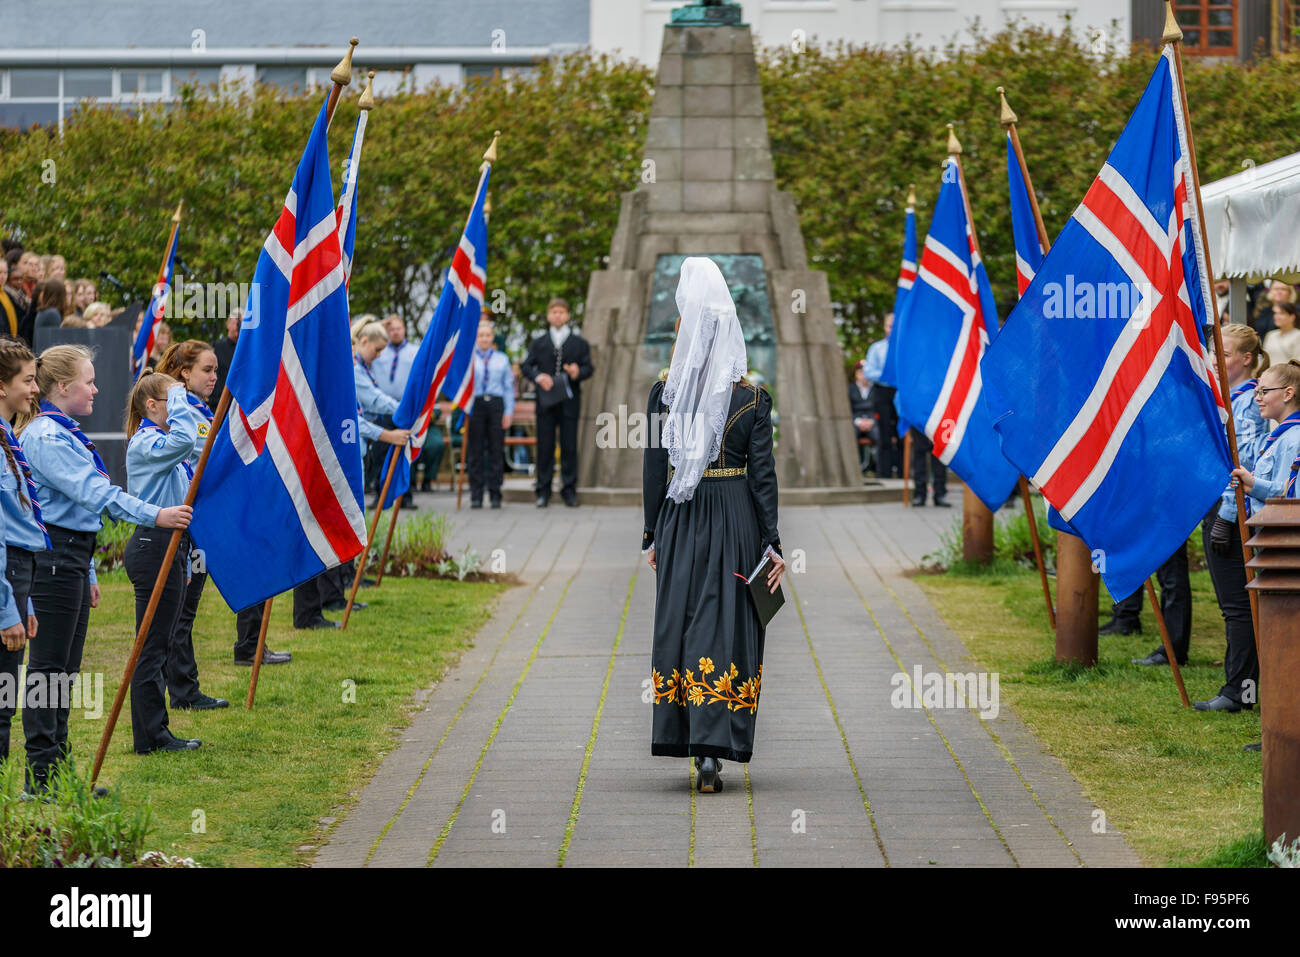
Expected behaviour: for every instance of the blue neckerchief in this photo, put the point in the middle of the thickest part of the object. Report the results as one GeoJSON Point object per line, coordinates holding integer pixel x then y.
{"type": "Point", "coordinates": [357, 360]}
{"type": "Point", "coordinates": [480, 388]}
{"type": "Point", "coordinates": [199, 404]}
{"type": "Point", "coordinates": [145, 425]}
{"type": "Point", "coordinates": [52, 411]}
{"type": "Point", "coordinates": [26, 469]}
{"type": "Point", "coordinates": [1290, 485]}
{"type": "Point", "coordinates": [397, 354]}
{"type": "Point", "coordinates": [1247, 386]}
{"type": "Point", "coordinates": [1290, 422]}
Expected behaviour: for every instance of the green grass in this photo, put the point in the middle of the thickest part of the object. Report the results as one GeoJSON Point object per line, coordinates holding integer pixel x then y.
{"type": "Point", "coordinates": [264, 779]}
{"type": "Point", "coordinates": [1174, 780]}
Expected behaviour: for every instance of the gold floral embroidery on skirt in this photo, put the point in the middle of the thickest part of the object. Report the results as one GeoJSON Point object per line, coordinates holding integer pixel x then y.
{"type": "Point", "coordinates": [686, 688]}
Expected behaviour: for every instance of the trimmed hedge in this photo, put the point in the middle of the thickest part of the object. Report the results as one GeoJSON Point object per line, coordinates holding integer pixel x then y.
{"type": "Point", "coordinates": [850, 128]}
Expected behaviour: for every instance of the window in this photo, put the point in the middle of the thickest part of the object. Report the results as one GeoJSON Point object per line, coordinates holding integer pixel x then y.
{"type": "Point", "coordinates": [79, 84]}
{"type": "Point", "coordinates": [141, 82]}
{"type": "Point", "coordinates": [1209, 26]}
{"type": "Point", "coordinates": [33, 83]}
{"type": "Point", "coordinates": [287, 78]}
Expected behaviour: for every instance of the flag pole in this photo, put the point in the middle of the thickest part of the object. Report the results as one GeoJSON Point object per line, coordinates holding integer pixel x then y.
{"type": "Point", "coordinates": [1173, 35]}
{"type": "Point", "coordinates": [162, 269]}
{"type": "Point", "coordinates": [342, 76]}
{"type": "Point", "coordinates": [374, 525]}
{"type": "Point", "coordinates": [905, 446]}
{"type": "Point", "coordinates": [1009, 121]}
{"type": "Point", "coordinates": [388, 541]}
{"type": "Point", "coordinates": [261, 650]}
{"type": "Point", "coordinates": [976, 519]}
{"type": "Point", "coordinates": [1168, 645]}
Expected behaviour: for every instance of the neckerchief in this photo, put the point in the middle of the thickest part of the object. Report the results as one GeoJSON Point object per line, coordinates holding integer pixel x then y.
{"type": "Point", "coordinates": [1247, 386]}
{"type": "Point", "coordinates": [1290, 422]}
{"type": "Point", "coordinates": [198, 404]}
{"type": "Point", "coordinates": [26, 469]}
{"type": "Point", "coordinates": [357, 360]}
{"type": "Point", "coordinates": [52, 411]}
{"type": "Point", "coordinates": [480, 385]}
{"type": "Point", "coordinates": [397, 355]}
{"type": "Point", "coordinates": [1290, 485]}
{"type": "Point", "coordinates": [145, 425]}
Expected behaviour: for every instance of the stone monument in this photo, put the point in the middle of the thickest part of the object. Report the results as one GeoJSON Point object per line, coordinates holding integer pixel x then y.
{"type": "Point", "coordinates": [707, 188]}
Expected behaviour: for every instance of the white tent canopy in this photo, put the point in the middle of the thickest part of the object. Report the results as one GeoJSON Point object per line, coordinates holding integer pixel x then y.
{"type": "Point", "coordinates": [1252, 221]}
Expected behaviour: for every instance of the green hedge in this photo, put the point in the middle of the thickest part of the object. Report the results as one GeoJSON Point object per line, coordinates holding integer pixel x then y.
{"type": "Point", "coordinates": [849, 127]}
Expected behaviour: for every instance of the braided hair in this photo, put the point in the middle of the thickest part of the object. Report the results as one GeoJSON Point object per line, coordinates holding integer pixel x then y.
{"type": "Point", "coordinates": [13, 356]}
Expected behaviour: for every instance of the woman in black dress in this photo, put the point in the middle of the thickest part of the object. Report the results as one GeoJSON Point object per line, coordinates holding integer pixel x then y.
{"type": "Point", "coordinates": [710, 496]}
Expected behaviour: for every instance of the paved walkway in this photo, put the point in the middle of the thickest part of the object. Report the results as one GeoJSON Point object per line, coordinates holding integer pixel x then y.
{"type": "Point", "coordinates": [535, 750]}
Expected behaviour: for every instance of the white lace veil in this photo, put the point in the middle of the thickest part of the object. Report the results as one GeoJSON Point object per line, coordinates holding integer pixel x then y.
{"type": "Point", "coordinates": [708, 357]}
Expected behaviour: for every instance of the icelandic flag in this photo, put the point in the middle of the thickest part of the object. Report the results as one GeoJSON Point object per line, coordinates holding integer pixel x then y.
{"type": "Point", "coordinates": [280, 500]}
{"type": "Point", "coordinates": [347, 209]}
{"type": "Point", "coordinates": [1029, 251]}
{"type": "Point", "coordinates": [443, 362]}
{"type": "Point", "coordinates": [940, 339]}
{"type": "Point", "coordinates": [153, 316]}
{"type": "Point", "coordinates": [906, 277]}
{"type": "Point", "coordinates": [1099, 381]}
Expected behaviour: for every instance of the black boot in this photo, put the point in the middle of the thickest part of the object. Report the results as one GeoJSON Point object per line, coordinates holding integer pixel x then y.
{"type": "Point", "coordinates": [708, 777]}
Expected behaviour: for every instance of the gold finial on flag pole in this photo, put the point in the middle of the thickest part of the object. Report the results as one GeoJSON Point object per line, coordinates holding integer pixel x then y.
{"type": "Point", "coordinates": [1173, 32]}
{"type": "Point", "coordinates": [366, 101]}
{"type": "Point", "coordinates": [342, 74]}
{"type": "Point", "coordinates": [491, 155]}
{"type": "Point", "coordinates": [954, 146]}
{"type": "Point", "coordinates": [911, 195]}
{"type": "Point", "coordinates": [1008, 117]}
{"type": "Point", "coordinates": [176, 216]}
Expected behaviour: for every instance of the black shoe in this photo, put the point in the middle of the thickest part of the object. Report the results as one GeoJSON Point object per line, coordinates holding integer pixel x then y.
{"type": "Point", "coordinates": [426, 487]}
{"type": "Point", "coordinates": [478, 504]}
{"type": "Point", "coordinates": [1257, 746]}
{"type": "Point", "coordinates": [1157, 657]}
{"type": "Point", "coordinates": [1218, 703]}
{"type": "Point", "coordinates": [367, 583]}
{"type": "Point", "coordinates": [269, 657]}
{"type": "Point", "coordinates": [1117, 627]}
{"type": "Point", "coordinates": [543, 501]}
{"type": "Point", "coordinates": [496, 503]}
{"type": "Point", "coordinates": [175, 744]}
{"type": "Point", "coordinates": [342, 604]}
{"type": "Point", "coordinates": [408, 502]}
{"type": "Point", "coordinates": [708, 780]}
{"type": "Point", "coordinates": [941, 502]}
{"type": "Point", "coordinates": [570, 499]}
{"type": "Point", "coordinates": [201, 703]}
{"type": "Point", "coordinates": [320, 623]}
{"type": "Point", "coordinates": [918, 501]}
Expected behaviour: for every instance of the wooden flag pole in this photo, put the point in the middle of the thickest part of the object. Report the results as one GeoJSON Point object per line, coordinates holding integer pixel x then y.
{"type": "Point", "coordinates": [907, 466]}
{"type": "Point", "coordinates": [1077, 640]}
{"type": "Point", "coordinates": [388, 542]}
{"type": "Point", "coordinates": [374, 524]}
{"type": "Point", "coordinates": [460, 479]}
{"type": "Point", "coordinates": [162, 270]}
{"type": "Point", "coordinates": [1173, 35]}
{"type": "Point", "coordinates": [261, 650]}
{"type": "Point", "coordinates": [1169, 647]}
{"type": "Point", "coordinates": [342, 75]}
{"type": "Point", "coordinates": [976, 519]}
{"type": "Point", "coordinates": [1009, 121]}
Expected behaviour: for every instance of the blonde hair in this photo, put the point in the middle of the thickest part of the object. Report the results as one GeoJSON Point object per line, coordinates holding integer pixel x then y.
{"type": "Point", "coordinates": [1246, 339]}
{"type": "Point", "coordinates": [56, 364]}
{"type": "Point", "coordinates": [360, 323]}
{"type": "Point", "coordinates": [91, 312]}
{"type": "Point", "coordinates": [150, 385]}
{"type": "Point", "coordinates": [373, 331]}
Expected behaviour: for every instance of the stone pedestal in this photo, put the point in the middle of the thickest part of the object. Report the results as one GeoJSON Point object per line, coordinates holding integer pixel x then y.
{"type": "Point", "coordinates": [708, 189]}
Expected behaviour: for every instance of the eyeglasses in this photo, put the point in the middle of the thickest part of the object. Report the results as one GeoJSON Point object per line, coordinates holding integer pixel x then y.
{"type": "Point", "coordinates": [1276, 388]}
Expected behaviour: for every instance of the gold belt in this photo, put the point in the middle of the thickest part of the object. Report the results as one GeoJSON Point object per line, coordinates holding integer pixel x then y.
{"type": "Point", "coordinates": [715, 473]}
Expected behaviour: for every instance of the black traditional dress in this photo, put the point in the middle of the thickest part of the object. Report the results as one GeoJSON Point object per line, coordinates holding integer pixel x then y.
{"type": "Point", "coordinates": [707, 661]}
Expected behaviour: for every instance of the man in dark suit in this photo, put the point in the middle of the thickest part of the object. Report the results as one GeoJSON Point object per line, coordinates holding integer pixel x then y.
{"type": "Point", "coordinates": [558, 350]}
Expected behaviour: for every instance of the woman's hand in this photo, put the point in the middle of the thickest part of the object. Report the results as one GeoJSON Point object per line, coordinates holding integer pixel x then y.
{"type": "Point", "coordinates": [1244, 478]}
{"type": "Point", "coordinates": [94, 596]}
{"type": "Point", "coordinates": [776, 572]}
{"type": "Point", "coordinates": [14, 637]}
{"type": "Point", "coordinates": [395, 436]}
{"type": "Point", "coordinates": [177, 516]}
{"type": "Point", "coordinates": [650, 557]}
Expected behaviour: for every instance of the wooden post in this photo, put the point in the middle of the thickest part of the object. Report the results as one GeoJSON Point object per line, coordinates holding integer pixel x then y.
{"type": "Point", "coordinates": [464, 440]}
{"type": "Point", "coordinates": [374, 524]}
{"type": "Point", "coordinates": [388, 541]}
{"type": "Point", "coordinates": [1038, 550]}
{"type": "Point", "coordinates": [1172, 35]}
{"type": "Point", "coordinates": [342, 76]}
{"type": "Point", "coordinates": [1164, 639]}
{"type": "Point", "coordinates": [1077, 587]}
{"type": "Point", "coordinates": [907, 463]}
{"type": "Point", "coordinates": [261, 650]}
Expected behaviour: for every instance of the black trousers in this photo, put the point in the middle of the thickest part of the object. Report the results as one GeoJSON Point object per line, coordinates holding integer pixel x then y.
{"type": "Point", "coordinates": [248, 624]}
{"type": "Point", "coordinates": [20, 570]}
{"type": "Point", "coordinates": [61, 597]}
{"type": "Point", "coordinates": [888, 455]}
{"type": "Point", "coordinates": [1228, 573]}
{"type": "Point", "coordinates": [143, 560]}
{"type": "Point", "coordinates": [1175, 602]}
{"type": "Point", "coordinates": [922, 463]}
{"type": "Point", "coordinates": [485, 453]}
{"type": "Point", "coordinates": [311, 597]}
{"type": "Point", "coordinates": [181, 669]}
{"type": "Point", "coordinates": [562, 416]}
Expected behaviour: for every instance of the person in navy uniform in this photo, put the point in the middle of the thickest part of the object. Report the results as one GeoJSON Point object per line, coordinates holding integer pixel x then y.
{"type": "Point", "coordinates": [1244, 357]}
{"type": "Point", "coordinates": [24, 533]}
{"type": "Point", "coordinates": [494, 404]}
{"type": "Point", "coordinates": [162, 432]}
{"type": "Point", "coordinates": [193, 364]}
{"type": "Point", "coordinates": [558, 350]}
{"type": "Point", "coordinates": [73, 488]}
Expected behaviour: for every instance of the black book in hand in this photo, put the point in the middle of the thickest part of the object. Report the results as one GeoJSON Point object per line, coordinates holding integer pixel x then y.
{"type": "Point", "coordinates": [766, 602]}
{"type": "Point", "coordinates": [559, 391]}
